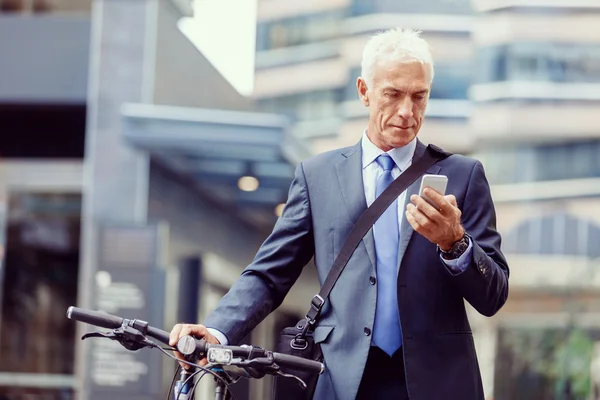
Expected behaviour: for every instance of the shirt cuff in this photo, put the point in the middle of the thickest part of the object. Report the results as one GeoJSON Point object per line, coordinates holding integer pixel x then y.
{"type": "Point", "coordinates": [460, 264]}
{"type": "Point", "coordinates": [219, 335]}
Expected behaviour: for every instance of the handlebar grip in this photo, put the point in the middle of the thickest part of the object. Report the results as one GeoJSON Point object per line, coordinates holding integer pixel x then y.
{"type": "Point", "coordinates": [285, 360]}
{"type": "Point", "coordinates": [96, 318]}
{"type": "Point", "coordinates": [108, 321]}
{"type": "Point", "coordinates": [158, 334]}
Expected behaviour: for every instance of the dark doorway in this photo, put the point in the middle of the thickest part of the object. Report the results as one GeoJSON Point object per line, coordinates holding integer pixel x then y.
{"type": "Point", "coordinates": [39, 282]}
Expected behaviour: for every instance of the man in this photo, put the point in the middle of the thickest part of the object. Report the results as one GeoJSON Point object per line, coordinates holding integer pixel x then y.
{"type": "Point", "coordinates": [395, 324]}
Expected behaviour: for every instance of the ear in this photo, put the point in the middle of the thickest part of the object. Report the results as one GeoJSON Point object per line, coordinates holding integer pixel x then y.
{"type": "Point", "coordinates": [363, 91]}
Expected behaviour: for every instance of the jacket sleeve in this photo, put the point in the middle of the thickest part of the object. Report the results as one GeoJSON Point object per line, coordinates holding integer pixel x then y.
{"type": "Point", "coordinates": [484, 283]}
{"type": "Point", "coordinates": [264, 284]}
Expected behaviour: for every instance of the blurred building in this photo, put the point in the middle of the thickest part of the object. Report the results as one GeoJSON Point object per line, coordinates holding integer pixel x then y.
{"type": "Point", "coordinates": [133, 179]}
{"type": "Point", "coordinates": [536, 124]}
{"type": "Point", "coordinates": [516, 87]}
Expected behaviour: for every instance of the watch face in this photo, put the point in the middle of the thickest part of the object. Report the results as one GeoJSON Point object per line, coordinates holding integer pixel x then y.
{"type": "Point", "coordinates": [459, 248]}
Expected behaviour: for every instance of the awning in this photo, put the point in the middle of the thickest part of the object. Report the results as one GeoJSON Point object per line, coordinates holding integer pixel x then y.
{"type": "Point", "coordinates": [244, 159]}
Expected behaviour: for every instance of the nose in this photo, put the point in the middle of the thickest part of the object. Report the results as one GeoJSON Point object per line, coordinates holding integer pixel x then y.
{"type": "Point", "coordinates": [405, 109]}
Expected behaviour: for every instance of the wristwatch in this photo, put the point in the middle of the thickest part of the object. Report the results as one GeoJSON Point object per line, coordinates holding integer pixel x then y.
{"type": "Point", "coordinates": [457, 249]}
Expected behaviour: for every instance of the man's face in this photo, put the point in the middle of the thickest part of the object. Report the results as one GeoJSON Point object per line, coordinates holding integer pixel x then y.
{"type": "Point", "coordinates": [397, 101]}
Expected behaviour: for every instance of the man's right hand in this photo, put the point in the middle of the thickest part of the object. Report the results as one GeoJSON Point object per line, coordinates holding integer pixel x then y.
{"type": "Point", "coordinates": [198, 331]}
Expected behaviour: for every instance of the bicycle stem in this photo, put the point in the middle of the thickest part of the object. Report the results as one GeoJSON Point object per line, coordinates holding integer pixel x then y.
{"type": "Point", "coordinates": [184, 386]}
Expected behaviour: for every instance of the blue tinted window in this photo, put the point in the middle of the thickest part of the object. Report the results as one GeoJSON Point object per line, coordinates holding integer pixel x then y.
{"type": "Point", "coordinates": [543, 163]}
{"type": "Point", "coordinates": [305, 106]}
{"type": "Point", "coordinates": [553, 62]}
{"type": "Point", "coordinates": [299, 30]}
{"type": "Point", "coordinates": [558, 233]}
{"type": "Point", "coordinates": [491, 64]}
{"type": "Point", "coordinates": [451, 81]}
{"type": "Point", "coordinates": [350, 91]}
{"type": "Point", "coordinates": [455, 7]}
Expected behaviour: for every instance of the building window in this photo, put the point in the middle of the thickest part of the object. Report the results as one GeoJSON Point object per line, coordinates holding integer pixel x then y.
{"type": "Point", "coordinates": [350, 92]}
{"type": "Point", "coordinates": [24, 124]}
{"type": "Point", "coordinates": [453, 7]}
{"type": "Point", "coordinates": [305, 106]}
{"type": "Point", "coordinates": [531, 61]}
{"type": "Point", "coordinates": [451, 81]}
{"type": "Point", "coordinates": [542, 162]}
{"type": "Point", "coordinates": [559, 234]}
{"type": "Point", "coordinates": [299, 30]}
{"type": "Point", "coordinates": [39, 6]}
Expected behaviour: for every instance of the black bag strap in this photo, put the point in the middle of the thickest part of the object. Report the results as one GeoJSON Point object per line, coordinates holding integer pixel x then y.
{"type": "Point", "coordinates": [432, 155]}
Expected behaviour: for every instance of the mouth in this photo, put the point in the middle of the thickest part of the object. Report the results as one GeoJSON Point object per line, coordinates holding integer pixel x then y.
{"type": "Point", "coordinates": [404, 128]}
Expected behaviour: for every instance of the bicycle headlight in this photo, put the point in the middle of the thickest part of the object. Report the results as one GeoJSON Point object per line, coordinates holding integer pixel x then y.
{"type": "Point", "coordinates": [219, 356]}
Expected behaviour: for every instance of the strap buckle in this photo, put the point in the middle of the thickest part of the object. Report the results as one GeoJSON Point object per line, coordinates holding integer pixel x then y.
{"type": "Point", "coordinates": [316, 304]}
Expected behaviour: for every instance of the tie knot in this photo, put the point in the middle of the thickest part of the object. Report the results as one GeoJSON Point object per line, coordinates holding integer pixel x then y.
{"type": "Point", "coordinates": [386, 162]}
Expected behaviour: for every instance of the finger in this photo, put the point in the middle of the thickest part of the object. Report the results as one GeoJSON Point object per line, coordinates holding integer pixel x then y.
{"type": "Point", "coordinates": [181, 357]}
{"type": "Point", "coordinates": [173, 339]}
{"type": "Point", "coordinates": [443, 204]}
{"type": "Point", "coordinates": [198, 331]}
{"type": "Point", "coordinates": [422, 205]}
{"type": "Point", "coordinates": [174, 335]}
{"type": "Point", "coordinates": [451, 199]}
{"type": "Point", "coordinates": [418, 216]}
{"type": "Point", "coordinates": [412, 221]}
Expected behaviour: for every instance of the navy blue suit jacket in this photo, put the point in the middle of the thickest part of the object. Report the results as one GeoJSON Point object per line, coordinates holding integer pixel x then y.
{"type": "Point", "coordinates": [325, 200]}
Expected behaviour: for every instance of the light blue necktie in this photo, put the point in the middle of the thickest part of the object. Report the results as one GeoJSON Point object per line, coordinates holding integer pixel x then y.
{"type": "Point", "coordinates": [387, 333]}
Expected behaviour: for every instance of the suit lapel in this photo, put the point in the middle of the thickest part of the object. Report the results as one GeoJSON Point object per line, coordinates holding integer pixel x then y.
{"type": "Point", "coordinates": [406, 230]}
{"type": "Point", "coordinates": [349, 172]}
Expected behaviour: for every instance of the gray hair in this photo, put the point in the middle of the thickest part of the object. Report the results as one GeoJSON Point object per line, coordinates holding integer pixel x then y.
{"type": "Point", "coordinates": [401, 45]}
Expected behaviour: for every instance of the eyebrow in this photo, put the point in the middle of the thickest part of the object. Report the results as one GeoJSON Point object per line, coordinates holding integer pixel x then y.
{"type": "Point", "coordinates": [393, 89]}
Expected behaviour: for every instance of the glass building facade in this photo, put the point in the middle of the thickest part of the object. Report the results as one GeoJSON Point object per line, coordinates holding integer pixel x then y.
{"type": "Point", "coordinates": [539, 62]}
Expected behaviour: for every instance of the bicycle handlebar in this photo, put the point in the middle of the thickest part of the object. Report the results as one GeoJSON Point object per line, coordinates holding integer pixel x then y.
{"type": "Point", "coordinates": [189, 345]}
{"type": "Point", "coordinates": [199, 345]}
{"type": "Point", "coordinates": [108, 321]}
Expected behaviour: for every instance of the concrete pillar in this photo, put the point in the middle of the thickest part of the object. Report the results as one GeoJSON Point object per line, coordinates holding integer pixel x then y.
{"type": "Point", "coordinates": [122, 53]}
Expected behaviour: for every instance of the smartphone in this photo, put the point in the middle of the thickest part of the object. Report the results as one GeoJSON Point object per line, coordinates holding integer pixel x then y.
{"type": "Point", "coordinates": [435, 182]}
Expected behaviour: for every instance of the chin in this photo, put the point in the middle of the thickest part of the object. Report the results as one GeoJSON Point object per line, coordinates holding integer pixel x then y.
{"type": "Point", "coordinates": [399, 140]}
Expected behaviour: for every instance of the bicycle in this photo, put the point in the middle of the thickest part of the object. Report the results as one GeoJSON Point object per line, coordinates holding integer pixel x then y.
{"type": "Point", "coordinates": [227, 364]}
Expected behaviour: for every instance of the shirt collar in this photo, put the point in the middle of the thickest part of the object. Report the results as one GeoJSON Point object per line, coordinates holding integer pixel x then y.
{"type": "Point", "coordinates": [402, 156]}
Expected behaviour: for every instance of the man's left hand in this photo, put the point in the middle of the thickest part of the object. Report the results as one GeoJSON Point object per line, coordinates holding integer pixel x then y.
{"type": "Point", "coordinates": [441, 226]}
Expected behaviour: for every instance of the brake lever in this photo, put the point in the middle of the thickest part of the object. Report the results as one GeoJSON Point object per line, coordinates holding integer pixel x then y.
{"type": "Point", "coordinates": [298, 380]}
{"type": "Point", "coordinates": [258, 367]}
{"type": "Point", "coordinates": [128, 337]}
